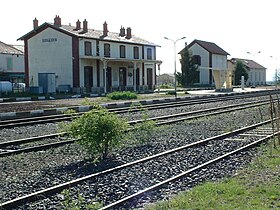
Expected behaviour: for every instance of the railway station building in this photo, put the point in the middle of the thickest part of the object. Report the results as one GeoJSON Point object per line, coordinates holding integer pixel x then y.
{"type": "Point", "coordinates": [256, 72]}
{"type": "Point", "coordinates": [76, 58]}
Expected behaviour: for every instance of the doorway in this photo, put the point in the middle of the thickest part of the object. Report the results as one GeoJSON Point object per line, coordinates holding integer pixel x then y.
{"type": "Point", "coordinates": [122, 78]}
{"type": "Point", "coordinates": [88, 78]}
{"type": "Point", "coordinates": [150, 78]}
{"type": "Point", "coordinates": [109, 79]}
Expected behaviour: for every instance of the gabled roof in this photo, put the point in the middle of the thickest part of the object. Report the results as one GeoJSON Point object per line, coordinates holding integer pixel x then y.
{"type": "Point", "coordinates": [209, 46]}
{"type": "Point", "coordinates": [248, 63]}
{"type": "Point", "coordinates": [9, 49]}
{"type": "Point", "coordinates": [91, 33]}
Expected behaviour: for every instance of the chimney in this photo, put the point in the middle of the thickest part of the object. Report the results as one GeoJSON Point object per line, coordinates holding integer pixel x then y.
{"type": "Point", "coordinates": [35, 24]}
{"type": "Point", "coordinates": [122, 32]}
{"type": "Point", "coordinates": [85, 28]}
{"type": "Point", "coordinates": [105, 29]}
{"type": "Point", "coordinates": [78, 25]}
{"type": "Point", "coordinates": [128, 33]}
{"type": "Point", "coordinates": [57, 21]}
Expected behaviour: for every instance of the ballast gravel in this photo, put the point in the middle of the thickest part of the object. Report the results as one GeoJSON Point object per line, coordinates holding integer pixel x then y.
{"type": "Point", "coordinates": [26, 173]}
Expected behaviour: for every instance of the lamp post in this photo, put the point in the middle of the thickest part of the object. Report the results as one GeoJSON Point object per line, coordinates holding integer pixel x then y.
{"type": "Point", "coordinates": [253, 54]}
{"type": "Point", "coordinates": [276, 71]}
{"type": "Point", "coordinates": [175, 71]}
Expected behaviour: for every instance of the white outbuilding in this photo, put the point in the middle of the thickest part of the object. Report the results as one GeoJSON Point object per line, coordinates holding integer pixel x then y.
{"type": "Point", "coordinates": [212, 64]}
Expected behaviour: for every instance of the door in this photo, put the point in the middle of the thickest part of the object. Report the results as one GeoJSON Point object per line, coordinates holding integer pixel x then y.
{"type": "Point", "coordinates": [150, 78]}
{"type": "Point", "coordinates": [88, 78]}
{"type": "Point", "coordinates": [137, 78]}
{"type": "Point", "coordinates": [47, 82]}
{"type": "Point", "coordinates": [122, 78]}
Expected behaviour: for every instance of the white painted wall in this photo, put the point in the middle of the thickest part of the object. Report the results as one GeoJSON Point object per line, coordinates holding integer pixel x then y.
{"type": "Point", "coordinates": [204, 54]}
{"type": "Point", "coordinates": [145, 52]}
{"type": "Point", "coordinates": [256, 77]}
{"type": "Point", "coordinates": [50, 57]}
{"type": "Point", "coordinates": [219, 61]}
{"type": "Point", "coordinates": [17, 63]}
{"type": "Point", "coordinates": [115, 50]}
{"type": "Point", "coordinates": [82, 46]}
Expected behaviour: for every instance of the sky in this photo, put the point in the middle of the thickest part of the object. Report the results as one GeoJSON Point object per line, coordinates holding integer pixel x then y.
{"type": "Point", "coordinates": [237, 26]}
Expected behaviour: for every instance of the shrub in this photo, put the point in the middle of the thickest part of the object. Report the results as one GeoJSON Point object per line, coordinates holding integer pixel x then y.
{"type": "Point", "coordinates": [171, 92]}
{"type": "Point", "coordinates": [98, 131]}
{"type": "Point", "coordinates": [145, 128]}
{"type": "Point", "coordinates": [122, 95]}
{"type": "Point", "coordinates": [166, 87]}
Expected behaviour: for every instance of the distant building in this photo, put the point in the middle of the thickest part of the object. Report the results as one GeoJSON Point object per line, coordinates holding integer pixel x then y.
{"type": "Point", "coordinates": [166, 79]}
{"type": "Point", "coordinates": [88, 60]}
{"type": "Point", "coordinates": [256, 72]}
{"type": "Point", "coordinates": [11, 63]}
{"type": "Point", "coordinates": [209, 56]}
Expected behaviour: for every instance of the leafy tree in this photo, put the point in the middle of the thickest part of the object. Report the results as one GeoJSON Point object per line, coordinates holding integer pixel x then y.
{"type": "Point", "coordinates": [189, 74]}
{"type": "Point", "coordinates": [240, 70]}
{"type": "Point", "coordinates": [98, 131]}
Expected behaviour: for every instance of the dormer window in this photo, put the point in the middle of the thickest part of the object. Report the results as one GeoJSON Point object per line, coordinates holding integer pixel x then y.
{"type": "Point", "coordinates": [122, 51]}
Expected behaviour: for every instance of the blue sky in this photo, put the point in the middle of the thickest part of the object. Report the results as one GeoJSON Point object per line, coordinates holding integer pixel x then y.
{"type": "Point", "coordinates": [237, 26]}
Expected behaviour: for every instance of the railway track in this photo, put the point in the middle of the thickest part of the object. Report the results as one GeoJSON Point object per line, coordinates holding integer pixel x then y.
{"type": "Point", "coordinates": [68, 117]}
{"type": "Point", "coordinates": [12, 147]}
{"type": "Point", "coordinates": [218, 148]}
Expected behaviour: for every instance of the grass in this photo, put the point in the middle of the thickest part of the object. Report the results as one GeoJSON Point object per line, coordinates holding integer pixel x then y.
{"type": "Point", "coordinates": [256, 187]}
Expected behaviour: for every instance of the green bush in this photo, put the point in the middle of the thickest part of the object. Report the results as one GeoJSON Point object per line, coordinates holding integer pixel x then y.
{"type": "Point", "coordinates": [171, 92]}
{"type": "Point", "coordinates": [98, 131]}
{"type": "Point", "coordinates": [122, 95]}
{"type": "Point", "coordinates": [166, 87]}
{"type": "Point", "coordinates": [145, 128]}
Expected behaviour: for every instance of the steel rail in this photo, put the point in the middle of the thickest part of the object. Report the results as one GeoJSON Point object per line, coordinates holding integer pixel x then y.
{"type": "Point", "coordinates": [58, 188]}
{"type": "Point", "coordinates": [57, 144]}
{"type": "Point", "coordinates": [30, 139]}
{"type": "Point", "coordinates": [183, 174]}
{"type": "Point", "coordinates": [66, 117]}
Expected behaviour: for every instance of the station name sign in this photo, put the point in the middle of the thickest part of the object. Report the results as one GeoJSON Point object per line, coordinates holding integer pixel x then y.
{"type": "Point", "coordinates": [49, 40]}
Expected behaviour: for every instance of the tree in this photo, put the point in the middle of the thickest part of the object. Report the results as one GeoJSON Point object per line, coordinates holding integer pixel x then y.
{"type": "Point", "coordinates": [240, 70]}
{"type": "Point", "coordinates": [98, 131]}
{"type": "Point", "coordinates": [189, 67]}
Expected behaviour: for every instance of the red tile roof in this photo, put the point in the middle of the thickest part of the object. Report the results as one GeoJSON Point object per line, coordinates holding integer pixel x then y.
{"type": "Point", "coordinates": [248, 63]}
{"type": "Point", "coordinates": [209, 46]}
{"type": "Point", "coordinates": [91, 33]}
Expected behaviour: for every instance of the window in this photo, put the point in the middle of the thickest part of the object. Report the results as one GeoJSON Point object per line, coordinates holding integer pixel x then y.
{"type": "Point", "coordinates": [97, 48]}
{"type": "Point", "coordinates": [136, 52]}
{"type": "Point", "coordinates": [107, 50]}
{"type": "Point", "coordinates": [9, 63]}
{"type": "Point", "coordinates": [149, 53]}
{"type": "Point", "coordinates": [122, 51]}
{"type": "Point", "coordinates": [197, 59]}
{"type": "Point", "coordinates": [88, 48]}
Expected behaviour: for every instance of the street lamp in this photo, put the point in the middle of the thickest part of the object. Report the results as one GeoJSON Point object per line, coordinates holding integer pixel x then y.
{"type": "Point", "coordinates": [276, 71]}
{"type": "Point", "coordinates": [175, 71]}
{"type": "Point", "coordinates": [253, 54]}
